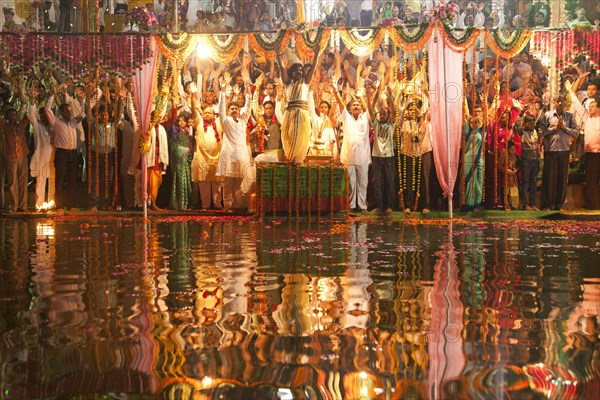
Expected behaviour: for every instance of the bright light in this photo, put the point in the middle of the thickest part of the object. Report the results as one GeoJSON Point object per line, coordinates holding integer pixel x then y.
{"type": "Point", "coordinates": [44, 229]}
{"type": "Point", "coordinates": [46, 206]}
{"type": "Point", "coordinates": [363, 375]}
{"type": "Point", "coordinates": [207, 381]}
{"type": "Point", "coordinates": [203, 51]}
{"type": "Point", "coordinates": [285, 394]}
{"type": "Point", "coordinates": [546, 61]}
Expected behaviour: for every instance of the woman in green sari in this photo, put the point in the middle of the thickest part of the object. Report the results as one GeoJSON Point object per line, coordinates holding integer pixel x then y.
{"type": "Point", "coordinates": [181, 145]}
{"type": "Point", "coordinates": [473, 166]}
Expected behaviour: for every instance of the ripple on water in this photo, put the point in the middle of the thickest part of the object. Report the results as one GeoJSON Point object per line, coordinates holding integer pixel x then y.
{"type": "Point", "coordinates": [365, 309]}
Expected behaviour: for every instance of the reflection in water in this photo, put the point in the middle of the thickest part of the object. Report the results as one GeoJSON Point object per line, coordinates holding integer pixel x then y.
{"type": "Point", "coordinates": [199, 308]}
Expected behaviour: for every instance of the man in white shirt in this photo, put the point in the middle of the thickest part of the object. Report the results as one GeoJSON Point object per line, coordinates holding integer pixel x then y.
{"type": "Point", "coordinates": [42, 162]}
{"type": "Point", "coordinates": [65, 156]}
{"type": "Point", "coordinates": [234, 163]}
{"type": "Point", "coordinates": [356, 152]}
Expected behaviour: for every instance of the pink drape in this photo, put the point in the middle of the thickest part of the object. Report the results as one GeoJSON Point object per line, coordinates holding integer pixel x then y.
{"type": "Point", "coordinates": [446, 100]}
{"type": "Point", "coordinates": [143, 85]}
{"type": "Point", "coordinates": [445, 341]}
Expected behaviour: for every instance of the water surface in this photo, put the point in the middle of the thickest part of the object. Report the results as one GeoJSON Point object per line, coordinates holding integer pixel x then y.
{"type": "Point", "coordinates": [196, 307]}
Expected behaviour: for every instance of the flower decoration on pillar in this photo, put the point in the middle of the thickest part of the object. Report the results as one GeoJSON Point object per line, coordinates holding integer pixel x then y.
{"type": "Point", "coordinates": [143, 18]}
{"type": "Point", "coordinates": [444, 12]}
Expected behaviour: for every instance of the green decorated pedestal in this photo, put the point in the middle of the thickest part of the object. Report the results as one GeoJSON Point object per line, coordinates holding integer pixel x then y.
{"type": "Point", "coordinates": [291, 188]}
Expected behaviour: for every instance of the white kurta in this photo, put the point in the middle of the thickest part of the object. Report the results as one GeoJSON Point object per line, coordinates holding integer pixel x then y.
{"type": "Point", "coordinates": [355, 146]}
{"type": "Point", "coordinates": [235, 157]}
{"type": "Point", "coordinates": [208, 151]}
{"type": "Point", "coordinates": [163, 149]}
{"type": "Point", "coordinates": [42, 154]}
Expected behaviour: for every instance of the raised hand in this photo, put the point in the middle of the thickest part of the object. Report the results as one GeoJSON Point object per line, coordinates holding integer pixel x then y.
{"type": "Point", "coordinates": [227, 76]}
{"type": "Point", "coordinates": [259, 80]}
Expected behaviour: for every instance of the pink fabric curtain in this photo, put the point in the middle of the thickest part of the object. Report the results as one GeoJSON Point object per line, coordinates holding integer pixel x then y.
{"type": "Point", "coordinates": [143, 84]}
{"type": "Point", "coordinates": [446, 101]}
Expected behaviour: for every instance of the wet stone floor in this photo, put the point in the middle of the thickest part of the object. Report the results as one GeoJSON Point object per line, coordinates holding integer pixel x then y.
{"type": "Point", "coordinates": [234, 308]}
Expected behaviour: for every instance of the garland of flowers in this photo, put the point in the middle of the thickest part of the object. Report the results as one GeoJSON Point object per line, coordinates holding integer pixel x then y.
{"type": "Point", "coordinates": [407, 41]}
{"type": "Point", "coordinates": [418, 190]}
{"type": "Point", "coordinates": [305, 45]}
{"type": "Point", "coordinates": [474, 101]}
{"type": "Point", "coordinates": [75, 56]}
{"type": "Point", "coordinates": [507, 48]}
{"type": "Point", "coordinates": [160, 104]}
{"type": "Point", "coordinates": [457, 42]}
{"type": "Point", "coordinates": [569, 44]}
{"type": "Point", "coordinates": [225, 51]}
{"type": "Point", "coordinates": [261, 125]}
{"type": "Point", "coordinates": [105, 124]}
{"type": "Point", "coordinates": [214, 126]}
{"type": "Point", "coordinates": [269, 48]}
{"type": "Point", "coordinates": [89, 140]}
{"type": "Point", "coordinates": [495, 142]}
{"type": "Point", "coordinates": [176, 48]}
{"type": "Point", "coordinates": [398, 146]}
{"type": "Point", "coordinates": [359, 45]}
{"type": "Point", "coordinates": [95, 115]}
{"type": "Point", "coordinates": [485, 122]}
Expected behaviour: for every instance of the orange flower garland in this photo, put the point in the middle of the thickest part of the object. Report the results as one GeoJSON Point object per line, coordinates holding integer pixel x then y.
{"type": "Point", "coordinates": [521, 43]}
{"type": "Point", "coordinates": [409, 46]}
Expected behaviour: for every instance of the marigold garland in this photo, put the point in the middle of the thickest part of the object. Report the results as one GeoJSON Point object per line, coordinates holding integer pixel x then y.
{"type": "Point", "coordinates": [269, 48]}
{"type": "Point", "coordinates": [305, 45]}
{"type": "Point", "coordinates": [176, 48]}
{"type": "Point", "coordinates": [398, 36]}
{"type": "Point", "coordinates": [459, 44]}
{"type": "Point", "coordinates": [507, 48]}
{"type": "Point", "coordinates": [359, 45]}
{"type": "Point", "coordinates": [225, 51]}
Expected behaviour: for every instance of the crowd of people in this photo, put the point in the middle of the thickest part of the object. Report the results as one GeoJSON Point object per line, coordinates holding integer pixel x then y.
{"type": "Point", "coordinates": [370, 114]}
{"type": "Point", "coordinates": [265, 15]}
